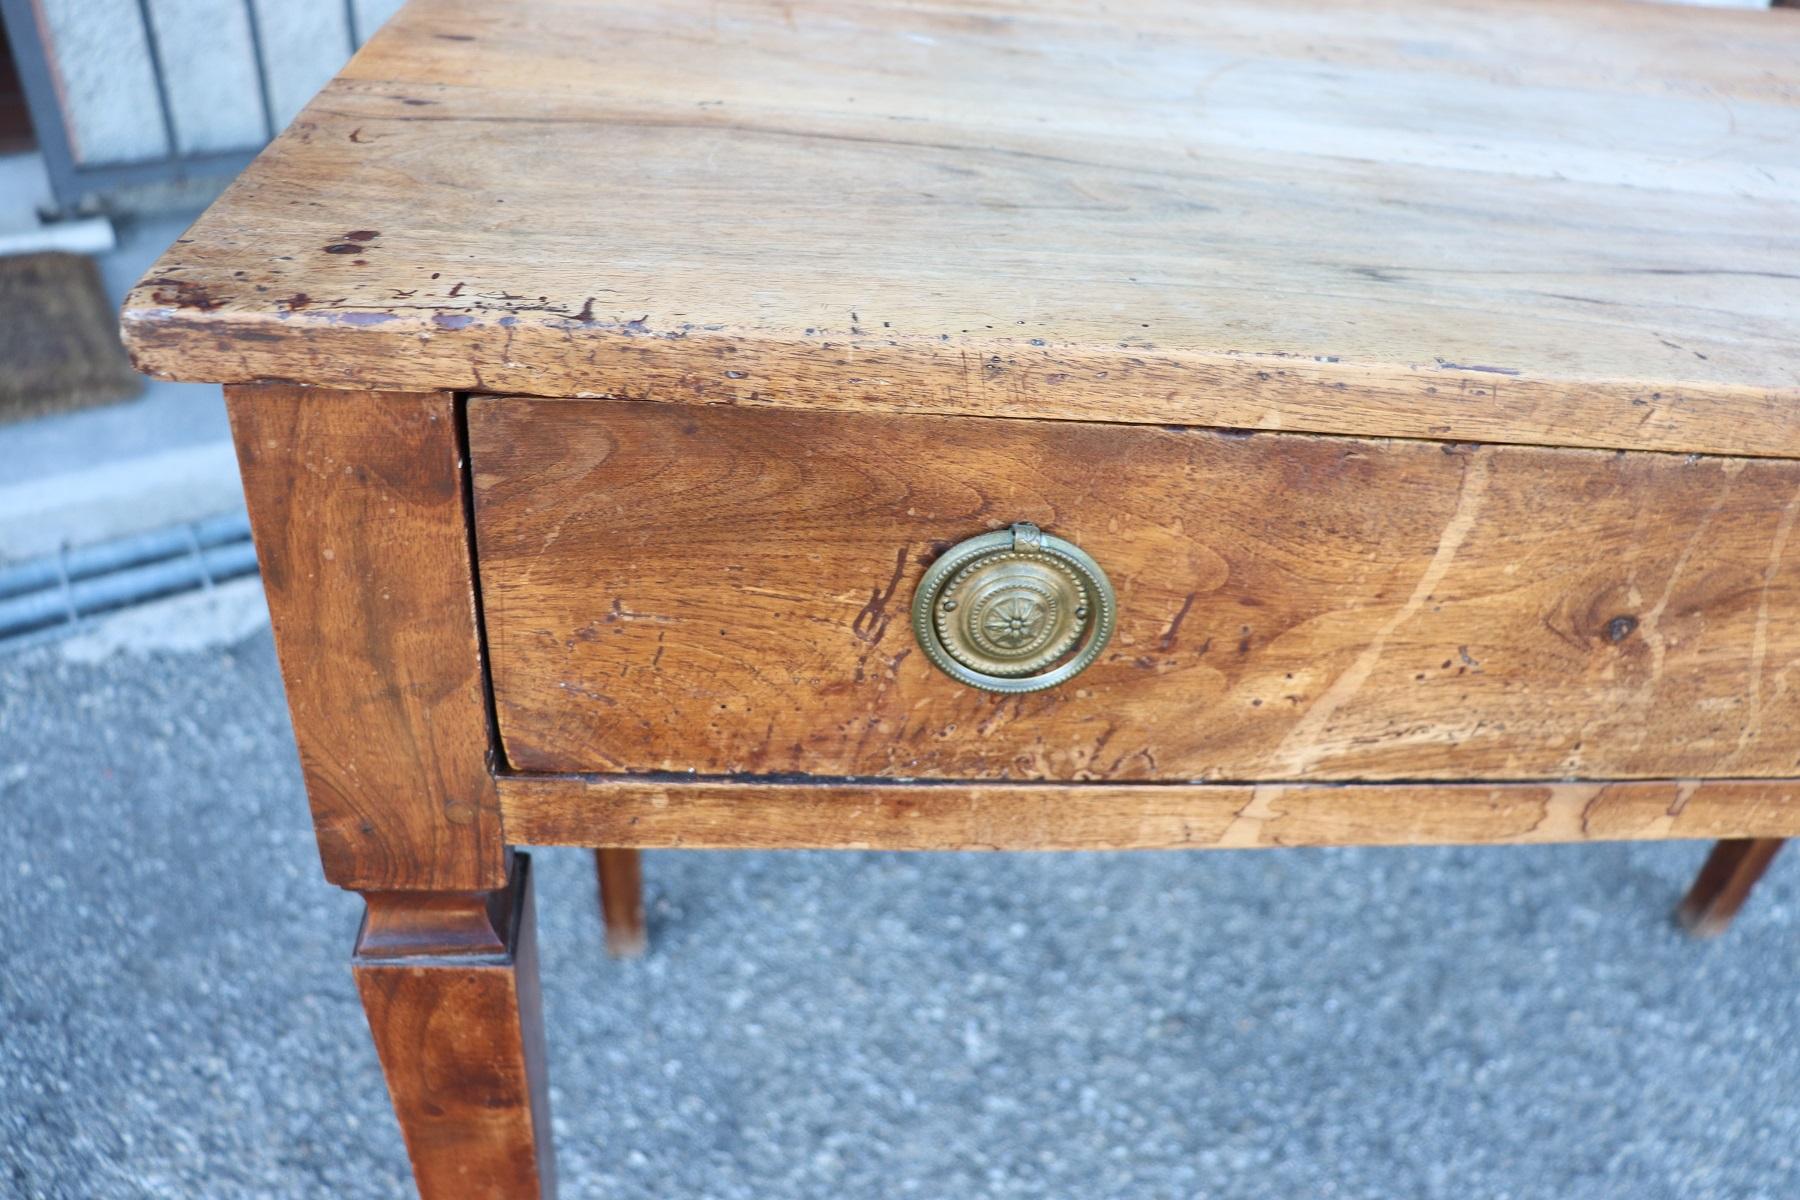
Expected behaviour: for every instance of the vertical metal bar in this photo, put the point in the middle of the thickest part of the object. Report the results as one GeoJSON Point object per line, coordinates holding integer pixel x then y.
{"type": "Point", "coordinates": [262, 69]}
{"type": "Point", "coordinates": [71, 179]}
{"type": "Point", "coordinates": [198, 555]}
{"type": "Point", "coordinates": [350, 25]}
{"type": "Point", "coordinates": [162, 84]}
{"type": "Point", "coordinates": [29, 34]}
{"type": "Point", "coordinates": [65, 586]}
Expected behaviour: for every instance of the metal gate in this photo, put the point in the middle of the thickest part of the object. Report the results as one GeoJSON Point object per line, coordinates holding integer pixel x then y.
{"type": "Point", "coordinates": [133, 92]}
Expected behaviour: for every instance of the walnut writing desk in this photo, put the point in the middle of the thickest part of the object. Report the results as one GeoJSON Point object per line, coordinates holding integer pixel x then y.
{"type": "Point", "coordinates": [947, 425]}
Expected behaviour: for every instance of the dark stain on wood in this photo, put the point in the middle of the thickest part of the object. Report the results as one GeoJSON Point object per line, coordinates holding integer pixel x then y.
{"type": "Point", "coordinates": [183, 293]}
{"type": "Point", "coordinates": [1174, 630]}
{"type": "Point", "coordinates": [873, 620]}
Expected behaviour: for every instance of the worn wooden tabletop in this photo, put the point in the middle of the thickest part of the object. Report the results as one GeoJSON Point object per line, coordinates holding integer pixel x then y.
{"type": "Point", "coordinates": [1530, 221]}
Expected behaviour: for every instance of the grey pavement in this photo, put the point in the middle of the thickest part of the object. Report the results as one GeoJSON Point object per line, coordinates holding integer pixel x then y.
{"type": "Point", "coordinates": [177, 1018]}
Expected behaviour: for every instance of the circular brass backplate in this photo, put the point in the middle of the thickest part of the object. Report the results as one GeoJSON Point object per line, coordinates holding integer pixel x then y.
{"type": "Point", "coordinates": [1013, 611]}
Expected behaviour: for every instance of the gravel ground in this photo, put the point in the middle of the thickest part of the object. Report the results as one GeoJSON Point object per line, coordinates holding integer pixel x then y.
{"type": "Point", "coordinates": [177, 1018]}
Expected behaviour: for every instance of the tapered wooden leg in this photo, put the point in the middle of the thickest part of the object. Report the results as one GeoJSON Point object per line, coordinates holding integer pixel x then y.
{"type": "Point", "coordinates": [1723, 884]}
{"type": "Point", "coordinates": [621, 901]}
{"type": "Point", "coordinates": [450, 984]}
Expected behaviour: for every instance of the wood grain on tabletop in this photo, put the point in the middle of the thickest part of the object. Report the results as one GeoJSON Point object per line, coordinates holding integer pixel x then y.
{"type": "Point", "coordinates": [728, 591]}
{"type": "Point", "coordinates": [1530, 221]}
{"type": "Point", "coordinates": [596, 810]}
{"type": "Point", "coordinates": [357, 502]}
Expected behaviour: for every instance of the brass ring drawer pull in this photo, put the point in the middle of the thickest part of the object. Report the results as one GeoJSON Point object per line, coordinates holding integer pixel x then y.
{"type": "Point", "coordinates": [1016, 610]}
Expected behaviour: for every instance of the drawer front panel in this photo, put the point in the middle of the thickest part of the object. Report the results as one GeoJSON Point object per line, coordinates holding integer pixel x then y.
{"type": "Point", "coordinates": [726, 591]}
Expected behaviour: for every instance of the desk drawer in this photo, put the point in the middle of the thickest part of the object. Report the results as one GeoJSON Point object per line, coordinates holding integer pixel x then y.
{"type": "Point", "coordinates": [726, 591]}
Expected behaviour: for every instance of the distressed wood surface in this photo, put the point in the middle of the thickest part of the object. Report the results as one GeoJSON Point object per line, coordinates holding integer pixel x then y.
{"type": "Point", "coordinates": [450, 986]}
{"type": "Point", "coordinates": [357, 503]}
{"type": "Point", "coordinates": [1532, 221]}
{"type": "Point", "coordinates": [611, 811]}
{"type": "Point", "coordinates": [728, 591]}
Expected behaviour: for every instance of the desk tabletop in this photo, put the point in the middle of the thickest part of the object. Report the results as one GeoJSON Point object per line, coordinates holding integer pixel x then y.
{"type": "Point", "coordinates": [1494, 220]}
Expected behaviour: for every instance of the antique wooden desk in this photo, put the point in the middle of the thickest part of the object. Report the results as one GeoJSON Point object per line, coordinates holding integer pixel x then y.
{"type": "Point", "coordinates": [1379, 423]}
